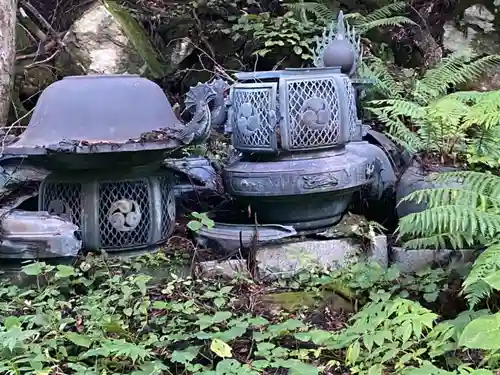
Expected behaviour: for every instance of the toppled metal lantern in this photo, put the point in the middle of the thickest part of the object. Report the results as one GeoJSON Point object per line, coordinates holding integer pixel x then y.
{"type": "Point", "coordinates": [292, 128]}
{"type": "Point", "coordinates": [104, 138]}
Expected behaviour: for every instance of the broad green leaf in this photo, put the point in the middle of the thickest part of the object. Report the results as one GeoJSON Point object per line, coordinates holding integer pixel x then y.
{"type": "Point", "coordinates": [301, 368]}
{"type": "Point", "coordinates": [376, 369]}
{"type": "Point", "coordinates": [194, 225]}
{"type": "Point", "coordinates": [406, 331]}
{"type": "Point", "coordinates": [79, 340]}
{"type": "Point", "coordinates": [64, 271]}
{"type": "Point", "coordinates": [220, 348]}
{"type": "Point", "coordinates": [35, 269]}
{"type": "Point", "coordinates": [185, 356]}
{"type": "Point", "coordinates": [368, 341]}
{"type": "Point", "coordinates": [353, 353]}
{"type": "Point", "coordinates": [231, 333]}
{"type": "Point", "coordinates": [482, 333]}
{"type": "Point", "coordinates": [11, 321]}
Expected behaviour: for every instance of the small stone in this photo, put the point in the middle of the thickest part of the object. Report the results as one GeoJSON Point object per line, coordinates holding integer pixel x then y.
{"type": "Point", "coordinates": [229, 268]}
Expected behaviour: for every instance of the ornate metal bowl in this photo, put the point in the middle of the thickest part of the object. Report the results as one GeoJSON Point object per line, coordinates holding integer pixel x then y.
{"type": "Point", "coordinates": [307, 191]}
{"type": "Point", "coordinates": [114, 212]}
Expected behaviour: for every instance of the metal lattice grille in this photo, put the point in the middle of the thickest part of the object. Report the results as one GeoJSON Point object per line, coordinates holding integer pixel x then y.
{"type": "Point", "coordinates": [353, 116]}
{"type": "Point", "coordinates": [304, 137]}
{"type": "Point", "coordinates": [261, 102]}
{"type": "Point", "coordinates": [113, 194]}
{"type": "Point", "coordinates": [167, 205]}
{"type": "Point", "coordinates": [63, 199]}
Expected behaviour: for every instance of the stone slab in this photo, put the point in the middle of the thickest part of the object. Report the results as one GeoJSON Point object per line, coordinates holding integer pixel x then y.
{"type": "Point", "coordinates": [288, 259]}
{"type": "Point", "coordinates": [411, 260]}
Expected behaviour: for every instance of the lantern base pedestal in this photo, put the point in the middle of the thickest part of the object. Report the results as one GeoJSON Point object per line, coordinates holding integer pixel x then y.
{"type": "Point", "coordinates": [309, 191]}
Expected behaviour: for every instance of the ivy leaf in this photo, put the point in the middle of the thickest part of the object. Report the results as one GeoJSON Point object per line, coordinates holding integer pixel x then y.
{"type": "Point", "coordinates": [35, 269]}
{"type": "Point", "coordinates": [64, 271]}
{"type": "Point", "coordinates": [258, 321]}
{"type": "Point", "coordinates": [431, 296]}
{"type": "Point", "coordinates": [78, 340]}
{"type": "Point", "coordinates": [220, 348]}
{"type": "Point", "coordinates": [392, 273]}
{"type": "Point", "coordinates": [482, 333]}
{"type": "Point", "coordinates": [228, 366]}
{"type": "Point", "coordinates": [194, 225]}
{"type": "Point", "coordinates": [185, 356]}
{"type": "Point", "coordinates": [231, 333]}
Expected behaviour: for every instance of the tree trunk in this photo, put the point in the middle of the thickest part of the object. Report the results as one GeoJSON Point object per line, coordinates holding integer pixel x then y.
{"type": "Point", "coordinates": [8, 10]}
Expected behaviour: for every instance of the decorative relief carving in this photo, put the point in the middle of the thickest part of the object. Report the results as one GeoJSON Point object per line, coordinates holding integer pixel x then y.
{"type": "Point", "coordinates": [247, 119]}
{"type": "Point", "coordinates": [320, 180]}
{"type": "Point", "coordinates": [315, 113]}
{"type": "Point", "coordinates": [125, 215]}
{"type": "Point", "coordinates": [290, 183]}
{"type": "Point", "coordinates": [369, 169]}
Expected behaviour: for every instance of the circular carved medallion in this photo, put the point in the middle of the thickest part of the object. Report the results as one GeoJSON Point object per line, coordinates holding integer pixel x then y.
{"type": "Point", "coordinates": [247, 120]}
{"type": "Point", "coordinates": [315, 113]}
{"type": "Point", "coordinates": [59, 208]}
{"type": "Point", "coordinates": [125, 215]}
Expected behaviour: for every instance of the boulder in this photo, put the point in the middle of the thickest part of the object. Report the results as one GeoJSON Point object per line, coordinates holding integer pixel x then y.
{"type": "Point", "coordinates": [416, 178]}
{"type": "Point", "coordinates": [477, 32]}
{"type": "Point", "coordinates": [106, 39]}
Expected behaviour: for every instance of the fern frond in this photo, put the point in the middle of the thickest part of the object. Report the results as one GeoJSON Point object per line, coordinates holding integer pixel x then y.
{"type": "Point", "coordinates": [400, 107]}
{"type": "Point", "coordinates": [398, 132]}
{"type": "Point", "coordinates": [455, 69]}
{"type": "Point", "coordinates": [438, 241]}
{"type": "Point", "coordinates": [446, 195]}
{"type": "Point", "coordinates": [377, 15]}
{"type": "Point", "coordinates": [479, 182]}
{"type": "Point", "coordinates": [484, 146]}
{"type": "Point", "coordinates": [385, 22]}
{"type": "Point", "coordinates": [474, 286]}
{"type": "Point", "coordinates": [387, 11]}
{"type": "Point", "coordinates": [377, 70]}
{"type": "Point", "coordinates": [485, 109]}
{"type": "Point", "coordinates": [463, 220]}
{"type": "Point", "coordinates": [318, 10]}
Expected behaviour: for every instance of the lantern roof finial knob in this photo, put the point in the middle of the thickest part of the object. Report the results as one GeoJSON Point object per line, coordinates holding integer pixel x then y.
{"type": "Point", "coordinates": [338, 47]}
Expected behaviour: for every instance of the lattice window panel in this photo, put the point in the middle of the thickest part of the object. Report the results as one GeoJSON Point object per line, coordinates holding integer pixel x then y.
{"type": "Point", "coordinates": [351, 104]}
{"type": "Point", "coordinates": [167, 205]}
{"type": "Point", "coordinates": [110, 192]}
{"type": "Point", "coordinates": [303, 137]}
{"type": "Point", "coordinates": [70, 194]}
{"type": "Point", "coordinates": [262, 101]}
